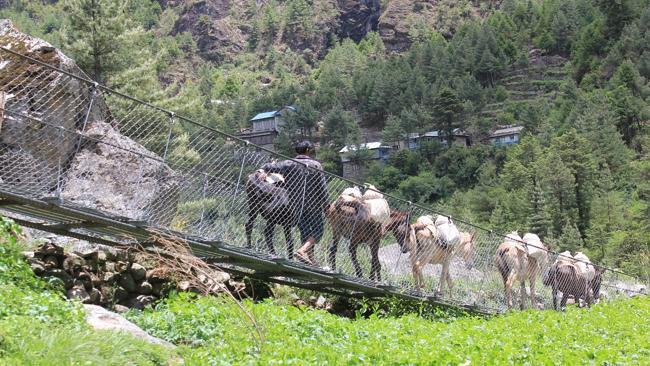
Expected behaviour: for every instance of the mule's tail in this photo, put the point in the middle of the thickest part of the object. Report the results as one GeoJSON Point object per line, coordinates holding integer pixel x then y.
{"type": "Point", "coordinates": [504, 262]}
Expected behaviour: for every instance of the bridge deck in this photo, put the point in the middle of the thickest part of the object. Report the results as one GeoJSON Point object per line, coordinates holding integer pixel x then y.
{"type": "Point", "coordinates": [55, 216]}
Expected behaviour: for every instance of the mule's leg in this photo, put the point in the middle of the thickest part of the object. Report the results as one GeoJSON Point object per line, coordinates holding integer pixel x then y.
{"type": "Point", "coordinates": [564, 299]}
{"type": "Point", "coordinates": [441, 282]}
{"type": "Point", "coordinates": [417, 275]}
{"type": "Point", "coordinates": [249, 228]}
{"type": "Point", "coordinates": [554, 293]}
{"type": "Point", "coordinates": [269, 231]}
{"type": "Point", "coordinates": [289, 239]}
{"type": "Point", "coordinates": [353, 256]}
{"type": "Point", "coordinates": [375, 271]}
{"type": "Point", "coordinates": [523, 296]}
{"type": "Point", "coordinates": [510, 281]}
{"type": "Point", "coordinates": [450, 285]}
{"type": "Point", "coordinates": [334, 246]}
{"type": "Point", "coordinates": [533, 297]}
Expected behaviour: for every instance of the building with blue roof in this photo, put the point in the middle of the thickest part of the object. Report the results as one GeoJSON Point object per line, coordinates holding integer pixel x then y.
{"type": "Point", "coordinates": [265, 127]}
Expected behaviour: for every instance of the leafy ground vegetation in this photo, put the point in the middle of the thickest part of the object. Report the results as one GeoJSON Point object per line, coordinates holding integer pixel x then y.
{"type": "Point", "coordinates": [39, 327]}
{"type": "Point", "coordinates": [213, 331]}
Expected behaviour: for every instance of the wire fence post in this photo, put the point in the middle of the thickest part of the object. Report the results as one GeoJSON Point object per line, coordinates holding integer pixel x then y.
{"type": "Point", "coordinates": [228, 216]}
{"type": "Point", "coordinates": [59, 172]}
{"type": "Point", "coordinates": [204, 188]}
{"type": "Point", "coordinates": [480, 293]}
{"type": "Point", "coordinates": [169, 136]}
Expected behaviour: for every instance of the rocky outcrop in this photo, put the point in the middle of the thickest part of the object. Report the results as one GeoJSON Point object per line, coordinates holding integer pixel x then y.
{"type": "Point", "coordinates": [357, 18]}
{"type": "Point", "coordinates": [211, 27]}
{"type": "Point", "coordinates": [53, 139]}
{"type": "Point", "coordinates": [41, 106]}
{"type": "Point", "coordinates": [405, 20]}
{"type": "Point", "coordinates": [394, 25]}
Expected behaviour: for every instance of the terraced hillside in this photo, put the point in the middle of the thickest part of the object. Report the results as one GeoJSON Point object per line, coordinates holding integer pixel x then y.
{"type": "Point", "coordinates": [535, 81]}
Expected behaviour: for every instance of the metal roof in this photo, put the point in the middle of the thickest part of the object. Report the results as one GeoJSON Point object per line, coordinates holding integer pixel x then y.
{"type": "Point", "coordinates": [437, 133]}
{"type": "Point", "coordinates": [507, 131]}
{"type": "Point", "coordinates": [271, 114]}
{"type": "Point", "coordinates": [264, 115]}
{"type": "Point", "coordinates": [366, 146]}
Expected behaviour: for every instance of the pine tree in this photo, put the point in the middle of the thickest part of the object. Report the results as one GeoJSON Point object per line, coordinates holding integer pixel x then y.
{"type": "Point", "coordinates": [570, 239]}
{"type": "Point", "coordinates": [539, 222]}
{"type": "Point", "coordinates": [446, 108]}
{"type": "Point", "coordinates": [94, 33]}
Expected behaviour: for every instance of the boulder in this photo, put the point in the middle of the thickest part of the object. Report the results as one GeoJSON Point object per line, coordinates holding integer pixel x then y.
{"type": "Point", "coordinates": [86, 279]}
{"type": "Point", "coordinates": [120, 294]}
{"type": "Point", "coordinates": [102, 319]}
{"type": "Point", "coordinates": [116, 175]}
{"type": "Point", "coordinates": [50, 262]}
{"type": "Point", "coordinates": [95, 296]}
{"type": "Point", "coordinates": [84, 249]}
{"type": "Point", "coordinates": [144, 288]}
{"type": "Point", "coordinates": [34, 118]}
{"type": "Point", "coordinates": [73, 263]}
{"type": "Point", "coordinates": [139, 302]}
{"type": "Point", "coordinates": [67, 280]}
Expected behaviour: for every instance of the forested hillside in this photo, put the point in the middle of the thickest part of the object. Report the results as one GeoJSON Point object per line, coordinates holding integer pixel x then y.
{"type": "Point", "coordinates": [580, 176]}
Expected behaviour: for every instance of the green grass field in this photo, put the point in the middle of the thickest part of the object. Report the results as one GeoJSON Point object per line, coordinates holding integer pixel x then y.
{"type": "Point", "coordinates": [214, 331]}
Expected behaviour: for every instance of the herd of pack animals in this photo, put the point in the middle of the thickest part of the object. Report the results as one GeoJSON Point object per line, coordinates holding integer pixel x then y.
{"type": "Point", "coordinates": [366, 218]}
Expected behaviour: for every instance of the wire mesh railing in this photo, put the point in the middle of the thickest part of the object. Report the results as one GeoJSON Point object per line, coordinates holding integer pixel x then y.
{"type": "Point", "coordinates": [64, 136]}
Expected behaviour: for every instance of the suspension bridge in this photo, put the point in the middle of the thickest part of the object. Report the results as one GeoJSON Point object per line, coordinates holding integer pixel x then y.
{"type": "Point", "coordinates": [81, 160]}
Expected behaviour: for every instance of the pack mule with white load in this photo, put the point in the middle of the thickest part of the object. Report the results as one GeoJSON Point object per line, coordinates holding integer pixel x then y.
{"type": "Point", "coordinates": [519, 260]}
{"type": "Point", "coordinates": [433, 242]}
{"type": "Point", "coordinates": [361, 219]}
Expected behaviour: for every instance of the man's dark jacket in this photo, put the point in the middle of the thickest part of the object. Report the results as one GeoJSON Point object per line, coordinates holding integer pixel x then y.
{"type": "Point", "coordinates": [304, 179]}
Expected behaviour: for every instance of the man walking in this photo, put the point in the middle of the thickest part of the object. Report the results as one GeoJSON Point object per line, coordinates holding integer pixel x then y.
{"type": "Point", "coordinates": [307, 188]}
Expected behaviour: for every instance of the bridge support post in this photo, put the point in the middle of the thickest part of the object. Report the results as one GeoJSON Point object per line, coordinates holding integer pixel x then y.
{"type": "Point", "coordinates": [236, 191]}
{"type": "Point", "coordinates": [204, 183]}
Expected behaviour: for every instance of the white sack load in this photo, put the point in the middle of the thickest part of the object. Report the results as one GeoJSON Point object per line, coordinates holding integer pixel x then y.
{"type": "Point", "coordinates": [377, 206]}
{"type": "Point", "coordinates": [447, 231]}
{"type": "Point", "coordinates": [534, 246]}
{"type": "Point", "coordinates": [427, 222]}
{"type": "Point", "coordinates": [274, 178]}
{"type": "Point", "coordinates": [565, 258]}
{"type": "Point", "coordinates": [584, 265]}
{"type": "Point", "coordinates": [514, 237]}
{"type": "Point", "coordinates": [352, 192]}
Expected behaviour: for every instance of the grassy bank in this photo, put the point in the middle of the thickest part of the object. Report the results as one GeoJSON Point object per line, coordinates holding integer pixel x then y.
{"type": "Point", "coordinates": [213, 331]}
{"type": "Point", "coordinates": [39, 327]}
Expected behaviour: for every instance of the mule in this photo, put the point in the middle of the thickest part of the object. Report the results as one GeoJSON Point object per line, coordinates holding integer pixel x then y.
{"type": "Point", "coordinates": [574, 276]}
{"type": "Point", "coordinates": [350, 219]}
{"type": "Point", "coordinates": [272, 202]}
{"type": "Point", "coordinates": [425, 246]}
{"type": "Point", "coordinates": [516, 265]}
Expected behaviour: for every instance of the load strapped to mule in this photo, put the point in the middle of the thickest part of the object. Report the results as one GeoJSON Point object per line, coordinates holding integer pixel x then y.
{"type": "Point", "coordinates": [371, 204]}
